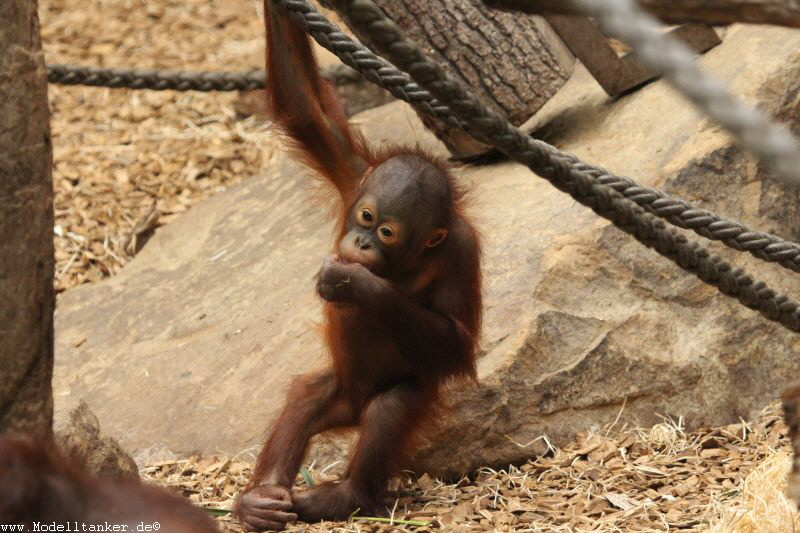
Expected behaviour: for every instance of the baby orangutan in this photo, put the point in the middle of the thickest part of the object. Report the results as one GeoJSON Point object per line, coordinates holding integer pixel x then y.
{"type": "Point", "coordinates": [402, 295]}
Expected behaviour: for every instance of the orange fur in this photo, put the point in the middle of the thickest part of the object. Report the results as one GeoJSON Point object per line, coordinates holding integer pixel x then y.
{"type": "Point", "coordinates": [398, 335]}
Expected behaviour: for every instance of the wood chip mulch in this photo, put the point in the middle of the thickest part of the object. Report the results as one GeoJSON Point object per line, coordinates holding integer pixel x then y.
{"type": "Point", "coordinates": [126, 162]}
{"type": "Point", "coordinates": [662, 479]}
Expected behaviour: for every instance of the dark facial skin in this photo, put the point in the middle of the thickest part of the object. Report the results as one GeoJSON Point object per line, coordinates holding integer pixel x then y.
{"type": "Point", "coordinates": [394, 219]}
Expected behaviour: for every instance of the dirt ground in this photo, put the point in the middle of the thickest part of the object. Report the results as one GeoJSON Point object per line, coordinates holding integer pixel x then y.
{"type": "Point", "coordinates": [129, 161]}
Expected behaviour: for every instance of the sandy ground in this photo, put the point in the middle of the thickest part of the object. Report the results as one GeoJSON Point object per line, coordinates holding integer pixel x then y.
{"type": "Point", "coordinates": [129, 161]}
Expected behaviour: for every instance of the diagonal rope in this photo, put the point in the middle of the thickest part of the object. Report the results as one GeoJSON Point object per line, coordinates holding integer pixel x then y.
{"type": "Point", "coordinates": [665, 55]}
{"type": "Point", "coordinates": [676, 211]}
{"type": "Point", "coordinates": [488, 127]}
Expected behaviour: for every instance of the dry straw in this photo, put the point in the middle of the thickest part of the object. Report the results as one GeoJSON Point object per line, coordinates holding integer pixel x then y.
{"type": "Point", "coordinates": [762, 506]}
{"type": "Point", "coordinates": [727, 479]}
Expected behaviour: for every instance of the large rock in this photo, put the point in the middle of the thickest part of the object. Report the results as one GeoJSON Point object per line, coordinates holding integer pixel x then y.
{"type": "Point", "coordinates": [192, 346]}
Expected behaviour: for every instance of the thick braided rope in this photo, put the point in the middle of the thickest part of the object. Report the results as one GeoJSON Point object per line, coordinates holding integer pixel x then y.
{"type": "Point", "coordinates": [705, 223]}
{"type": "Point", "coordinates": [178, 80]}
{"type": "Point", "coordinates": [676, 211]}
{"type": "Point", "coordinates": [672, 59]}
{"type": "Point", "coordinates": [489, 127]}
{"type": "Point", "coordinates": [372, 67]}
{"type": "Point", "coordinates": [156, 80]}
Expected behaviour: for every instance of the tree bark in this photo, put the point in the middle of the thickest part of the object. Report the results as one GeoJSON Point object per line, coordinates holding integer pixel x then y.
{"type": "Point", "coordinates": [713, 12]}
{"type": "Point", "coordinates": [513, 64]}
{"type": "Point", "coordinates": [26, 226]}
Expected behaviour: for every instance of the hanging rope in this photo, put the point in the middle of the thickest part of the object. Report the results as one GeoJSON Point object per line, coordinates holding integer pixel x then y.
{"type": "Point", "coordinates": [670, 58]}
{"type": "Point", "coordinates": [676, 211]}
{"type": "Point", "coordinates": [611, 196]}
{"type": "Point", "coordinates": [488, 127]}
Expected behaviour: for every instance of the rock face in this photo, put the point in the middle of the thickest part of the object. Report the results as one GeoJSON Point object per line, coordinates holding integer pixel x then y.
{"type": "Point", "coordinates": [192, 346]}
{"type": "Point", "coordinates": [80, 440]}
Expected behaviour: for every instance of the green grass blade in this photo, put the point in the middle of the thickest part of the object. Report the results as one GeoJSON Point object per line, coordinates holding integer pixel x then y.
{"type": "Point", "coordinates": [306, 475]}
{"type": "Point", "coordinates": [216, 512]}
{"type": "Point", "coordinates": [391, 521]}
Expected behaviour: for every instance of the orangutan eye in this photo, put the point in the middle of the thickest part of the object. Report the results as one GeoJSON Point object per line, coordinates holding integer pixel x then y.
{"type": "Point", "coordinates": [365, 217]}
{"type": "Point", "coordinates": [387, 234]}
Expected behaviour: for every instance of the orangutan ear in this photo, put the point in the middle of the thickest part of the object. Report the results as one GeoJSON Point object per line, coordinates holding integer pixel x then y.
{"type": "Point", "coordinates": [437, 237]}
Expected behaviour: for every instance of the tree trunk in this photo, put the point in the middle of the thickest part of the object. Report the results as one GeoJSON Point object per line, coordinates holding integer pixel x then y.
{"type": "Point", "coordinates": [513, 63]}
{"type": "Point", "coordinates": [26, 226]}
